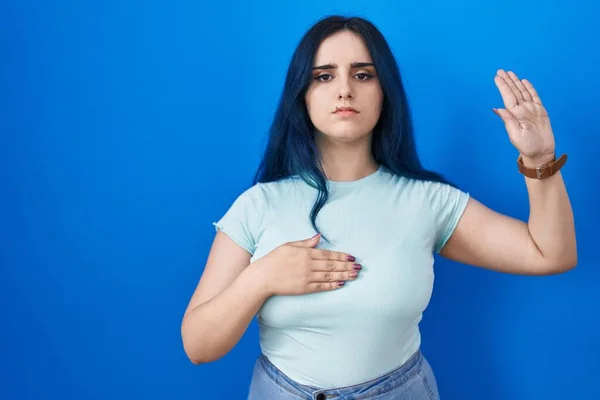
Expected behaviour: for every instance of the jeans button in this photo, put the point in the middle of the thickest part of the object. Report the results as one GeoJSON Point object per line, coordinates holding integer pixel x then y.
{"type": "Point", "coordinates": [321, 396]}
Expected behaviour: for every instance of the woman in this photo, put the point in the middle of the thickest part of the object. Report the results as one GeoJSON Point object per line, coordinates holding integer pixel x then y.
{"type": "Point", "coordinates": [338, 312]}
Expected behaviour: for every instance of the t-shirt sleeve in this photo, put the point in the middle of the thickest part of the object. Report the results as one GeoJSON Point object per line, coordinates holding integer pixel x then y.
{"type": "Point", "coordinates": [241, 221]}
{"type": "Point", "coordinates": [447, 205]}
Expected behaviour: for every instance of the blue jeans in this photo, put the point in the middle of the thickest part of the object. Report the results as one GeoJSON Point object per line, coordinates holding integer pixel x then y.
{"type": "Point", "coordinates": [414, 380]}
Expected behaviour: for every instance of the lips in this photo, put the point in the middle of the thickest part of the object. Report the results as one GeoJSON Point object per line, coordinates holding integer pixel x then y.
{"type": "Point", "coordinates": [345, 109]}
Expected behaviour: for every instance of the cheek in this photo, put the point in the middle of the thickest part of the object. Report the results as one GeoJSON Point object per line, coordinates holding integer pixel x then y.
{"type": "Point", "coordinates": [377, 101]}
{"type": "Point", "coordinates": [312, 100]}
{"type": "Point", "coordinates": [315, 104]}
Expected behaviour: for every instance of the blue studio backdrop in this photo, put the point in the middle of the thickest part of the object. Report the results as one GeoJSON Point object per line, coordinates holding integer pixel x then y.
{"type": "Point", "coordinates": [127, 128]}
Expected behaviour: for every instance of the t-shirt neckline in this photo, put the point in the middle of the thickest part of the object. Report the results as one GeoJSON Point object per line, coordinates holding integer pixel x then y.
{"type": "Point", "coordinates": [358, 182]}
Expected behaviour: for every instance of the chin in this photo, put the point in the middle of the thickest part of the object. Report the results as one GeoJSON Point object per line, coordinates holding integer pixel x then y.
{"type": "Point", "coordinates": [345, 135]}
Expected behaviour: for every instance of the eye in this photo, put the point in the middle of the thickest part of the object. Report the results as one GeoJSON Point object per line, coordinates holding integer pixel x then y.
{"type": "Point", "coordinates": [362, 76]}
{"type": "Point", "coordinates": [318, 78]}
{"type": "Point", "coordinates": [365, 76]}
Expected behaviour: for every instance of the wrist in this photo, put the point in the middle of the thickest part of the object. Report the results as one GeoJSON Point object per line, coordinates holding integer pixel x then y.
{"type": "Point", "coordinates": [256, 278]}
{"type": "Point", "coordinates": [534, 162]}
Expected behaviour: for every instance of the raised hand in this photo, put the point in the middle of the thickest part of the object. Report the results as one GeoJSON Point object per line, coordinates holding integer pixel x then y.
{"type": "Point", "coordinates": [525, 118]}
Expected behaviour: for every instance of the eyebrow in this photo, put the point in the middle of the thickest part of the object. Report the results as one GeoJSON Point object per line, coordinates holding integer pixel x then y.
{"type": "Point", "coordinates": [353, 65]}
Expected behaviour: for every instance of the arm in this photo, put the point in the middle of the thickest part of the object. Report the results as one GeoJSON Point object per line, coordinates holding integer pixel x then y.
{"type": "Point", "coordinates": [227, 298]}
{"type": "Point", "coordinates": [551, 221]}
{"type": "Point", "coordinates": [546, 245]}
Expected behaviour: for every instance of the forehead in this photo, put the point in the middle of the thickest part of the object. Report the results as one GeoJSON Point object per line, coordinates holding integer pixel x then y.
{"type": "Point", "coordinates": [342, 48]}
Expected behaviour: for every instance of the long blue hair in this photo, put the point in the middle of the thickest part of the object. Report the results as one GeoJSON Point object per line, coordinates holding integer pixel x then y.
{"type": "Point", "coordinates": [291, 148]}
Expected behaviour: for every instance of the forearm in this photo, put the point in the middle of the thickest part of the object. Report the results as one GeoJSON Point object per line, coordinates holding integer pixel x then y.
{"type": "Point", "coordinates": [551, 222]}
{"type": "Point", "coordinates": [213, 328]}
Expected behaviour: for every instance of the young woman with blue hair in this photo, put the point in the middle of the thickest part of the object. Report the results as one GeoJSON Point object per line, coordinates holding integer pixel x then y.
{"type": "Point", "coordinates": [339, 311]}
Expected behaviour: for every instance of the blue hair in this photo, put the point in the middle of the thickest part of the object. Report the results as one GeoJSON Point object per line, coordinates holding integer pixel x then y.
{"type": "Point", "coordinates": [291, 148]}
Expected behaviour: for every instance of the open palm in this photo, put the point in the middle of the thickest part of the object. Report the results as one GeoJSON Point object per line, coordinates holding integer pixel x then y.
{"type": "Point", "coordinates": [525, 118]}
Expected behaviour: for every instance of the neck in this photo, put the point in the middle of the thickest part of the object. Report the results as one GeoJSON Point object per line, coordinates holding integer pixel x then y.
{"type": "Point", "coordinates": [346, 161]}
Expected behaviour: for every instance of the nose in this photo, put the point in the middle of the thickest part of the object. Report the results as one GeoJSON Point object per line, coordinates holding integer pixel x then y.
{"type": "Point", "coordinates": [345, 89]}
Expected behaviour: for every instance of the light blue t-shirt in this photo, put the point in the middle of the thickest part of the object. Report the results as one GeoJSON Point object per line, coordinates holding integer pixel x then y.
{"type": "Point", "coordinates": [392, 225]}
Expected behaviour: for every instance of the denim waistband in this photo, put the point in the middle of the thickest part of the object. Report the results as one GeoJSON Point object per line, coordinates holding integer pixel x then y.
{"type": "Point", "coordinates": [365, 390]}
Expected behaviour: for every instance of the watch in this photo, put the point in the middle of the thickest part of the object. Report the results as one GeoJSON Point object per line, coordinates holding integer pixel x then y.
{"type": "Point", "coordinates": [543, 171]}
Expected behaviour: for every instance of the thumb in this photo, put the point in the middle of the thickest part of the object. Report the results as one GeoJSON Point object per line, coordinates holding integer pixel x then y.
{"type": "Point", "coordinates": [311, 242]}
{"type": "Point", "coordinates": [506, 116]}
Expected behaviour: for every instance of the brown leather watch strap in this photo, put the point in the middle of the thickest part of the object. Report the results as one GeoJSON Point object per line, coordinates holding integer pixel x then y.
{"type": "Point", "coordinates": [543, 171]}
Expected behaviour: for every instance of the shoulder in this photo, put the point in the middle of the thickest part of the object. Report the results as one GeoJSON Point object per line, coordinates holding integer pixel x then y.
{"type": "Point", "coordinates": [447, 204]}
{"type": "Point", "coordinates": [439, 194]}
{"type": "Point", "coordinates": [261, 194]}
{"type": "Point", "coordinates": [417, 188]}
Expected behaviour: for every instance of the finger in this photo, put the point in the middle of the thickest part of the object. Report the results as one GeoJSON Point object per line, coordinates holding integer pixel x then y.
{"type": "Point", "coordinates": [522, 89]}
{"type": "Point", "coordinates": [325, 286]}
{"type": "Point", "coordinates": [507, 118]}
{"type": "Point", "coordinates": [332, 265]}
{"type": "Point", "coordinates": [324, 254]}
{"type": "Point", "coordinates": [331, 276]}
{"type": "Point", "coordinates": [534, 94]}
{"type": "Point", "coordinates": [511, 85]}
{"type": "Point", "coordinates": [508, 97]}
{"type": "Point", "coordinates": [506, 76]}
{"type": "Point", "coordinates": [310, 242]}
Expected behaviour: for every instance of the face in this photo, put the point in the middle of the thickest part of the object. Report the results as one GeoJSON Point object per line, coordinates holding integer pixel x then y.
{"type": "Point", "coordinates": [343, 76]}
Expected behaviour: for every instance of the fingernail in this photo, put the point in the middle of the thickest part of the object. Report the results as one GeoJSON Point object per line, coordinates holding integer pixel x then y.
{"type": "Point", "coordinates": [314, 237]}
{"type": "Point", "coordinates": [357, 267]}
{"type": "Point", "coordinates": [341, 283]}
{"type": "Point", "coordinates": [350, 258]}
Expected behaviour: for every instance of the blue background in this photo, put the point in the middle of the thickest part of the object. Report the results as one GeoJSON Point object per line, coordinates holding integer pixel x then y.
{"type": "Point", "coordinates": [126, 128]}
